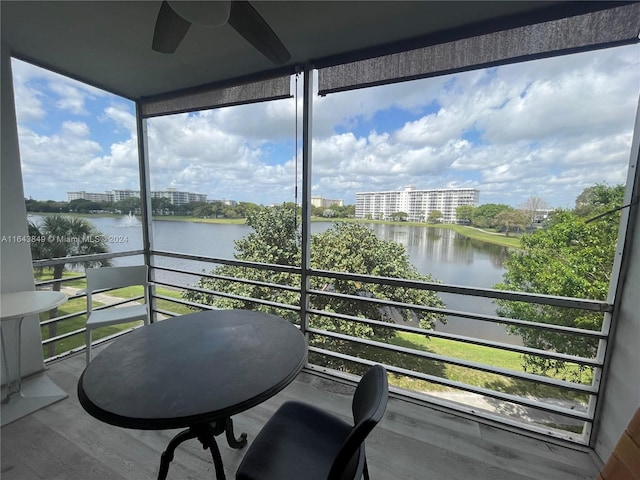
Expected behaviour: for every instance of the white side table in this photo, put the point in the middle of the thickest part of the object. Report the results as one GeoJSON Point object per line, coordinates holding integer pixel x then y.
{"type": "Point", "coordinates": [38, 391]}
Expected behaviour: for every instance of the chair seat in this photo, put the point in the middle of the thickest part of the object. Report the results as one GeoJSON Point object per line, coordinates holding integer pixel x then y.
{"type": "Point", "coordinates": [300, 442]}
{"type": "Point", "coordinates": [108, 316]}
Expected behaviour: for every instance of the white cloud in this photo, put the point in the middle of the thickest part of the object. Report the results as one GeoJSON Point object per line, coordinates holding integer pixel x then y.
{"type": "Point", "coordinates": [28, 101]}
{"type": "Point", "coordinates": [33, 84]}
{"type": "Point", "coordinates": [53, 163]}
{"type": "Point", "coordinates": [203, 153]}
{"type": "Point", "coordinates": [75, 129]}
{"type": "Point", "coordinates": [122, 117]}
{"type": "Point", "coordinates": [534, 123]}
{"type": "Point", "coordinates": [70, 98]}
{"type": "Point", "coordinates": [546, 128]}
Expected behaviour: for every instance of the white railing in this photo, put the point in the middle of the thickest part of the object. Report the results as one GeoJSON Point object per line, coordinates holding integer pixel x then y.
{"type": "Point", "coordinates": [564, 410]}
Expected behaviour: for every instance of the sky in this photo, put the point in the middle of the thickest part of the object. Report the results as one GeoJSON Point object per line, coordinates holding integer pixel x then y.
{"type": "Point", "coordinates": [546, 128]}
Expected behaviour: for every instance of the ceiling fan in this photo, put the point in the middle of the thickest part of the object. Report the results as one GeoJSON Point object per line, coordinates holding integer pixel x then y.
{"type": "Point", "coordinates": [175, 19]}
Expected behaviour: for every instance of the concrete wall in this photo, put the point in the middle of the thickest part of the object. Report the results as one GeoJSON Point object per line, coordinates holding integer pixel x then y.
{"type": "Point", "coordinates": [16, 271]}
{"type": "Point", "coordinates": [622, 389]}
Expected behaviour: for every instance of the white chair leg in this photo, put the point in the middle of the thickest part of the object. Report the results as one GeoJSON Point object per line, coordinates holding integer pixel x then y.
{"type": "Point", "coordinates": [88, 342]}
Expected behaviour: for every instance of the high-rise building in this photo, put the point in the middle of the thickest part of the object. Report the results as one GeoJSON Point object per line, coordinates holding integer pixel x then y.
{"type": "Point", "coordinates": [92, 197]}
{"type": "Point", "coordinates": [174, 196]}
{"type": "Point", "coordinates": [127, 193]}
{"type": "Point", "coordinates": [177, 197]}
{"type": "Point", "coordinates": [417, 204]}
{"type": "Point", "coordinates": [325, 202]}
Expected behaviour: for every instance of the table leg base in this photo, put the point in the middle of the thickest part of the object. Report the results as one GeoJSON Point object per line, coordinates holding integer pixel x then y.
{"type": "Point", "coordinates": [231, 438]}
{"type": "Point", "coordinates": [206, 434]}
{"type": "Point", "coordinates": [36, 392]}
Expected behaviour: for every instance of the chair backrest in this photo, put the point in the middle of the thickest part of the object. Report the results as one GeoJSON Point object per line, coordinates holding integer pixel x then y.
{"type": "Point", "coordinates": [116, 277]}
{"type": "Point", "coordinates": [368, 407]}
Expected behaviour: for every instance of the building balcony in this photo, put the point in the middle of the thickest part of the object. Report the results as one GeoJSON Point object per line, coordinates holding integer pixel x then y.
{"type": "Point", "coordinates": [423, 435]}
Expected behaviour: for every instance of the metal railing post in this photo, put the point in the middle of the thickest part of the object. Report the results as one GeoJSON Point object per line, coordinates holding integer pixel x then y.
{"type": "Point", "coordinates": [307, 111]}
{"type": "Point", "coordinates": [145, 201]}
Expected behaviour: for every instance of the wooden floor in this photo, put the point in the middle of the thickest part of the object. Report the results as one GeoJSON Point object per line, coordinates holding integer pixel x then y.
{"type": "Point", "coordinates": [62, 442]}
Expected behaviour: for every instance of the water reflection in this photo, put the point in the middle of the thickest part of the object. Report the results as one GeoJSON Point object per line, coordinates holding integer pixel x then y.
{"type": "Point", "coordinates": [452, 258]}
{"type": "Point", "coordinates": [497, 254]}
{"type": "Point", "coordinates": [432, 248]}
{"type": "Point", "coordinates": [441, 244]}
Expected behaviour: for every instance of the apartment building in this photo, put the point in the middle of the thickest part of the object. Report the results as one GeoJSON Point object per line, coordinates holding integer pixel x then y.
{"type": "Point", "coordinates": [124, 194]}
{"type": "Point", "coordinates": [92, 197]}
{"type": "Point", "coordinates": [417, 204]}
{"type": "Point", "coordinates": [177, 197]}
{"type": "Point", "coordinates": [321, 202]}
{"type": "Point", "coordinates": [174, 196]}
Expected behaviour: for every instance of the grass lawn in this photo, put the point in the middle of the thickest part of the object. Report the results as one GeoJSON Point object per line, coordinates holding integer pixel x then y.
{"type": "Point", "coordinates": [487, 237]}
{"type": "Point", "coordinates": [479, 354]}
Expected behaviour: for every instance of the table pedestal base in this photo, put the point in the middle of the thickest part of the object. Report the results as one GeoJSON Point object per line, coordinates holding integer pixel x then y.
{"type": "Point", "coordinates": [36, 392]}
{"type": "Point", "coordinates": [206, 434]}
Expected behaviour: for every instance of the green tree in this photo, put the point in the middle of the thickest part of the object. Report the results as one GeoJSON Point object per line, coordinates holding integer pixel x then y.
{"type": "Point", "coordinates": [206, 210]}
{"type": "Point", "coordinates": [399, 216]}
{"type": "Point", "coordinates": [464, 213]}
{"type": "Point", "coordinates": [509, 220]}
{"type": "Point", "coordinates": [317, 211]}
{"type": "Point", "coordinates": [435, 216]}
{"type": "Point", "coordinates": [161, 205]}
{"type": "Point", "coordinates": [244, 208]}
{"type": "Point", "coordinates": [65, 237]}
{"type": "Point", "coordinates": [354, 248]}
{"type": "Point", "coordinates": [345, 247]}
{"type": "Point", "coordinates": [598, 199]}
{"type": "Point", "coordinates": [275, 239]}
{"type": "Point", "coordinates": [570, 257]}
{"type": "Point", "coordinates": [48, 206]}
{"type": "Point", "coordinates": [484, 215]}
{"type": "Point", "coordinates": [126, 205]}
{"type": "Point", "coordinates": [228, 211]}
{"type": "Point", "coordinates": [345, 211]}
{"type": "Point", "coordinates": [81, 205]}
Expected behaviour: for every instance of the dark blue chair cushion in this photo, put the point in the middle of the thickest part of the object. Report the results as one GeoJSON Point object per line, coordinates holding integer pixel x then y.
{"type": "Point", "coordinates": [300, 442]}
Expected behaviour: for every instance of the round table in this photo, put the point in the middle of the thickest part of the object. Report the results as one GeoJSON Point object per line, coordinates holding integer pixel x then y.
{"type": "Point", "coordinates": [15, 307]}
{"type": "Point", "coordinates": [193, 371]}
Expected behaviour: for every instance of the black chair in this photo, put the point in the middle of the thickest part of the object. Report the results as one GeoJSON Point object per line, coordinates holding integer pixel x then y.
{"type": "Point", "coordinates": [302, 442]}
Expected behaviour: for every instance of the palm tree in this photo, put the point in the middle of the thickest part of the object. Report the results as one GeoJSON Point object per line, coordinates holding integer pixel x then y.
{"type": "Point", "coordinates": [65, 237]}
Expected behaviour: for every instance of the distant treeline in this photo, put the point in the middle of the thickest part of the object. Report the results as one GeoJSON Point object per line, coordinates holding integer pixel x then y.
{"type": "Point", "coordinates": [162, 206]}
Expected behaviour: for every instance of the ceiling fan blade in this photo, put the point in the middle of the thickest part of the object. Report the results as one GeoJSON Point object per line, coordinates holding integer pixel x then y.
{"type": "Point", "coordinates": [248, 23]}
{"type": "Point", "coordinates": [170, 29]}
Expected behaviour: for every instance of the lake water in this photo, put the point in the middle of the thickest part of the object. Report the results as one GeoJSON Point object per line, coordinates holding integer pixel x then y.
{"type": "Point", "coordinates": [445, 255]}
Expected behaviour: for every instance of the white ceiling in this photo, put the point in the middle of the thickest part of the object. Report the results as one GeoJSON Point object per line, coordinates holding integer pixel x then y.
{"type": "Point", "coordinates": [108, 44]}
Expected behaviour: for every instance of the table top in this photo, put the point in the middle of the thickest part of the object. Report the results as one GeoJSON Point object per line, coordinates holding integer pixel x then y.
{"type": "Point", "coordinates": [23, 304]}
{"type": "Point", "coordinates": [192, 369]}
